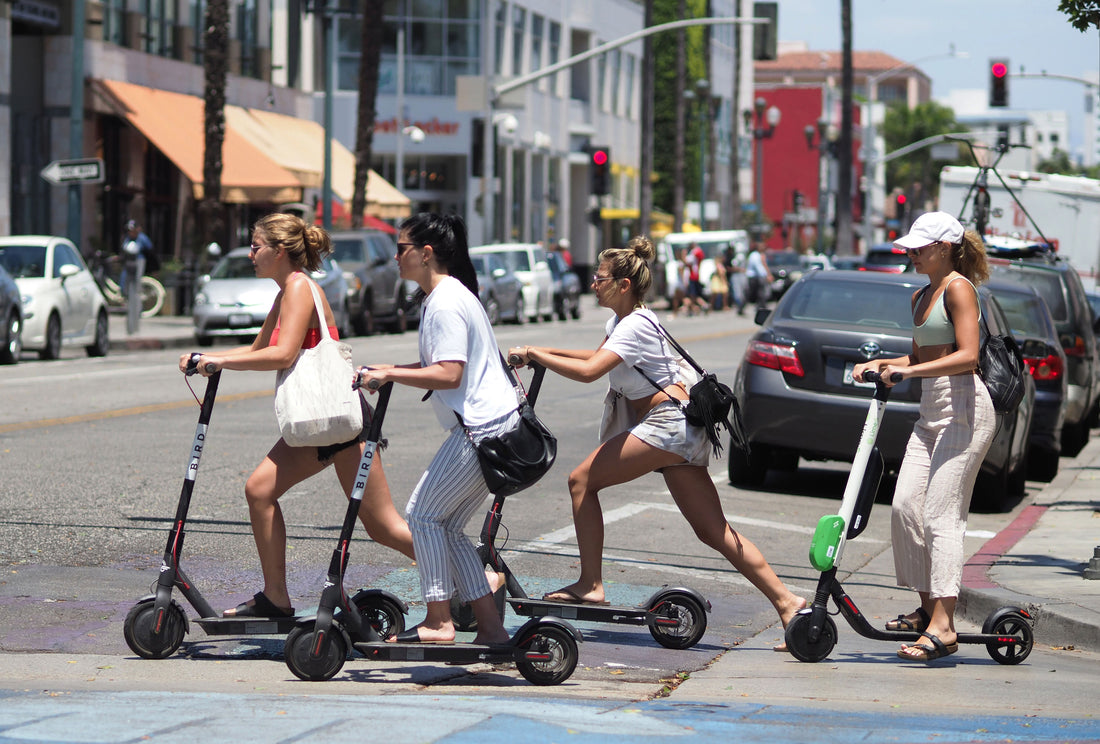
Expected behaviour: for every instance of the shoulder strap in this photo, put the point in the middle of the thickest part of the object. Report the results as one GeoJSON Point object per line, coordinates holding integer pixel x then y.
{"type": "Point", "coordinates": [320, 310]}
{"type": "Point", "coordinates": [682, 351]}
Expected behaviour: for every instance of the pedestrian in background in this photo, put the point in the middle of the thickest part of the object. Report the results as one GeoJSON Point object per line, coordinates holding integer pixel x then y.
{"type": "Point", "coordinates": [952, 435]}
{"type": "Point", "coordinates": [758, 276]}
{"type": "Point", "coordinates": [285, 249]}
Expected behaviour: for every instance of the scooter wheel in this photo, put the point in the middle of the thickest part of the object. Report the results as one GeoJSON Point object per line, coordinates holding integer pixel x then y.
{"type": "Point", "coordinates": [380, 613]}
{"type": "Point", "coordinates": [1009, 621]}
{"type": "Point", "coordinates": [799, 643]}
{"type": "Point", "coordinates": [299, 643]}
{"type": "Point", "coordinates": [140, 635]}
{"type": "Point", "coordinates": [690, 621]}
{"type": "Point", "coordinates": [551, 655]}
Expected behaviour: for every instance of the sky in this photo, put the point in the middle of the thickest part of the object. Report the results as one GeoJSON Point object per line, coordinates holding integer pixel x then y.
{"type": "Point", "coordinates": [1030, 33]}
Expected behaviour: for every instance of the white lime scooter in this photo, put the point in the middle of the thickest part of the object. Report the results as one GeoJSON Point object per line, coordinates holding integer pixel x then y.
{"type": "Point", "coordinates": [811, 634]}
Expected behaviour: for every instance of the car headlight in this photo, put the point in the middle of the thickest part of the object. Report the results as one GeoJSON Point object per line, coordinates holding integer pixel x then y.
{"type": "Point", "coordinates": [354, 285]}
{"type": "Point", "coordinates": [200, 299]}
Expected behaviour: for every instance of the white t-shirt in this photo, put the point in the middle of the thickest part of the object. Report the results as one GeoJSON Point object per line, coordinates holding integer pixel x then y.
{"type": "Point", "coordinates": [637, 341]}
{"type": "Point", "coordinates": [455, 328]}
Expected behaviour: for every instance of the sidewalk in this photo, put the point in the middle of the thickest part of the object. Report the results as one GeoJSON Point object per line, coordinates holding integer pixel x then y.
{"type": "Point", "coordinates": [1036, 563]}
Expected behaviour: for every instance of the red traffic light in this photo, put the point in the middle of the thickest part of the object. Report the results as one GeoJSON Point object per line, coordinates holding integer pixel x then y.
{"type": "Point", "coordinates": [599, 157]}
{"type": "Point", "coordinates": [901, 198]}
{"type": "Point", "coordinates": [999, 69]}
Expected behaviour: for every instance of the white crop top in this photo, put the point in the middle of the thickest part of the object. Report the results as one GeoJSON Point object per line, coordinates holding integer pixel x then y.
{"type": "Point", "coordinates": [636, 341]}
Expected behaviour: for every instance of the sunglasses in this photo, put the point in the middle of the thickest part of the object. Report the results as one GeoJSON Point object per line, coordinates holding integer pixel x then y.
{"type": "Point", "coordinates": [402, 247]}
{"type": "Point", "coordinates": [914, 252]}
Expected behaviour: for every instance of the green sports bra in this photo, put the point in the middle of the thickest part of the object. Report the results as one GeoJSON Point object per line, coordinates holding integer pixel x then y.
{"type": "Point", "coordinates": [937, 329]}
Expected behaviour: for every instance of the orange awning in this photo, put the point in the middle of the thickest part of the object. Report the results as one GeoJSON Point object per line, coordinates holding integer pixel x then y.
{"type": "Point", "coordinates": [173, 122]}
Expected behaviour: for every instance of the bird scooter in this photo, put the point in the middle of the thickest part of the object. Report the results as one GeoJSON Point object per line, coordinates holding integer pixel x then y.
{"type": "Point", "coordinates": [676, 616]}
{"type": "Point", "coordinates": [544, 650]}
{"type": "Point", "coordinates": [811, 634]}
{"type": "Point", "coordinates": [155, 626]}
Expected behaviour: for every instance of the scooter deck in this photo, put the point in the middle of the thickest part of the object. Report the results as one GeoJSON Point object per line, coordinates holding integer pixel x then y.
{"type": "Point", "coordinates": [529, 607]}
{"type": "Point", "coordinates": [236, 626]}
{"type": "Point", "coordinates": [454, 653]}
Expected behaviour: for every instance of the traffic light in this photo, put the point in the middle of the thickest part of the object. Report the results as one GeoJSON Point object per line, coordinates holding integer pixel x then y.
{"type": "Point", "coordinates": [998, 83]}
{"type": "Point", "coordinates": [599, 170]}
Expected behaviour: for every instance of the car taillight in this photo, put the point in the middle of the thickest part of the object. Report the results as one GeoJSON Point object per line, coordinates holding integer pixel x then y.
{"type": "Point", "coordinates": [1076, 347]}
{"type": "Point", "coordinates": [783, 357]}
{"type": "Point", "coordinates": [1045, 368]}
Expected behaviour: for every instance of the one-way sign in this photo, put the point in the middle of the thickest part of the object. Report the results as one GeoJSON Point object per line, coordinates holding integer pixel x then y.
{"type": "Point", "coordinates": [59, 172]}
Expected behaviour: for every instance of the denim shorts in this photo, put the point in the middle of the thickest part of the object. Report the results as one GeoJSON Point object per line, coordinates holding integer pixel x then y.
{"type": "Point", "coordinates": [665, 428]}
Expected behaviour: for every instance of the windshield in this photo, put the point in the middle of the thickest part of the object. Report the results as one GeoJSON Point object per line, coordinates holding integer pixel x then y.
{"type": "Point", "coordinates": [349, 251]}
{"type": "Point", "coordinates": [234, 267]}
{"type": "Point", "coordinates": [1047, 282]}
{"type": "Point", "coordinates": [516, 260]}
{"type": "Point", "coordinates": [850, 303]}
{"type": "Point", "coordinates": [24, 260]}
{"type": "Point", "coordinates": [1025, 313]}
{"type": "Point", "coordinates": [481, 264]}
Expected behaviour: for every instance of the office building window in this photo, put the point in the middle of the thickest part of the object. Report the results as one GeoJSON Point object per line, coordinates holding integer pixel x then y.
{"type": "Point", "coordinates": [160, 18]}
{"type": "Point", "coordinates": [248, 34]}
{"type": "Point", "coordinates": [114, 21]}
{"type": "Point", "coordinates": [198, 14]}
{"type": "Point", "coordinates": [500, 22]}
{"type": "Point", "coordinates": [537, 24]}
{"type": "Point", "coordinates": [442, 41]}
{"type": "Point", "coordinates": [615, 63]}
{"type": "Point", "coordinates": [553, 50]}
{"type": "Point", "coordinates": [629, 67]}
{"type": "Point", "coordinates": [519, 25]}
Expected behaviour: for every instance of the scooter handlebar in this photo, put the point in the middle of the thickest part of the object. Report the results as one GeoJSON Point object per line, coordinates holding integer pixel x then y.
{"type": "Point", "coordinates": [372, 384]}
{"type": "Point", "coordinates": [871, 376]}
{"type": "Point", "coordinates": [193, 365]}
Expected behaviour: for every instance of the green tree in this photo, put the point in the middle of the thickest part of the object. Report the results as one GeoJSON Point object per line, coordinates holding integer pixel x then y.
{"type": "Point", "coordinates": [917, 173]}
{"type": "Point", "coordinates": [1059, 162]}
{"type": "Point", "coordinates": [1082, 13]}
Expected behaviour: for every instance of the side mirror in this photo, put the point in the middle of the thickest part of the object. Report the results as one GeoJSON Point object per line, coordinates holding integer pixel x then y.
{"type": "Point", "coordinates": [499, 272]}
{"type": "Point", "coordinates": [761, 316]}
{"type": "Point", "coordinates": [68, 270]}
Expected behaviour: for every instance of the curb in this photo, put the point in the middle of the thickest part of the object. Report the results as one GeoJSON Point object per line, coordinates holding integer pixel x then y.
{"type": "Point", "coordinates": [147, 344]}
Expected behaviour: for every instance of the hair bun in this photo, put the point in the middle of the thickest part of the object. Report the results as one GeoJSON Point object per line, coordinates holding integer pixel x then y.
{"type": "Point", "coordinates": [642, 247]}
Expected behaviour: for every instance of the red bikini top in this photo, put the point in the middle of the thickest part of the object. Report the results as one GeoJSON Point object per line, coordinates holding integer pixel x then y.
{"type": "Point", "coordinates": [313, 336]}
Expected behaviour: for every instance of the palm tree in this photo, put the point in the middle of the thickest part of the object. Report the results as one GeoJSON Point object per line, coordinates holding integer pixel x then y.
{"type": "Point", "coordinates": [844, 243]}
{"type": "Point", "coordinates": [370, 54]}
{"type": "Point", "coordinates": [215, 63]}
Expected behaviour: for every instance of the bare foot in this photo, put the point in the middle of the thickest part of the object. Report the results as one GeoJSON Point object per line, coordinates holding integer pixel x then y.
{"type": "Point", "coordinates": [791, 609]}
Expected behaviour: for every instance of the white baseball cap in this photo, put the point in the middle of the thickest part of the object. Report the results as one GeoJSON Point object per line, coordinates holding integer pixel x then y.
{"type": "Point", "coordinates": [932, 227]}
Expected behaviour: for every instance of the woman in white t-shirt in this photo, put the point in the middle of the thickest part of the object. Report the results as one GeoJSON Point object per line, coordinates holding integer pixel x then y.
{"type": "Point", "coordinates": [460, 364]}
{"type": "Point", "coordinates": [660, 439]}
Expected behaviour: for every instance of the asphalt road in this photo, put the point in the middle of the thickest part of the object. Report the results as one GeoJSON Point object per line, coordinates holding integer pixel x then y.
{"type": "Point", "coordinates": [93, 452]}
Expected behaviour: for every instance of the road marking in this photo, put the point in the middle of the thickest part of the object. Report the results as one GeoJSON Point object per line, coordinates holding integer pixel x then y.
{"type": "Point", "coordinates": [123, 412]}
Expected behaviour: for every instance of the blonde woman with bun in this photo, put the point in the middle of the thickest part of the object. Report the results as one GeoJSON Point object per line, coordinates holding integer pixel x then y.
{"type": "Point", "coordinates": [285, 249]}
{"type": "Point", "coordinates": [658, 439]}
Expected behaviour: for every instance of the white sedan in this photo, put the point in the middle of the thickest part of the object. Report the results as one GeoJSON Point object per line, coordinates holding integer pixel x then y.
{"type": "Point", "coordinates": [62, 304]}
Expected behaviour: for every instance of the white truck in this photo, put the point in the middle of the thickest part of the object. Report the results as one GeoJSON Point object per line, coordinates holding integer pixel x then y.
{"type": "Point", "coordinates": [1066, 210]}
{"type": "Point", "coordinates": [713, 242]}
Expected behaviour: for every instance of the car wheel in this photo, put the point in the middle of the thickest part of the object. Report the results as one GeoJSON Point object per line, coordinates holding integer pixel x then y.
{"type": "Point", "coordinates": [345, 324]}
{"type": "Point", "coordinates": [521, 312]}
{"type": "Point", "coordinates": [492, 309]}
{"type": "Point", "coordinates": [1074, 437]}
{"type": "Point", "coordinates": [102, 343]}
{"type": "Point", "coordinates": [400, 322]}
{"type": "Point", "coordinates": [52, 349]}
{"type": "Point", "coordinates": [13, 340]}
{"type": "Point", "coordinates": [1042, 465]}
{"type": "Point", "coordinates": [204, 340]}
{"type": "Point", "coordinates": [991, 491]}
{"type": "Point", "coordinates": [364, 324]}
{"type": "Point", "coordinates": [748, 468]}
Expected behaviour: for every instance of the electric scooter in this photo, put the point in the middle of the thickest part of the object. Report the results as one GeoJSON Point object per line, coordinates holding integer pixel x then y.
{"type": "Point", "coordinates": [544, 650]}
{"type": "Point", "coordinates": [155, 626]}
{"type": "Point", "coordinates": [811, 634]}
{"type": "Point", "coordinates": [676, 616]}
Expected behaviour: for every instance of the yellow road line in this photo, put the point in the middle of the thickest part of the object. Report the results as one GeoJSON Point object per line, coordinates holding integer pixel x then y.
{"type": "Point", "coordinates": [122, 412]}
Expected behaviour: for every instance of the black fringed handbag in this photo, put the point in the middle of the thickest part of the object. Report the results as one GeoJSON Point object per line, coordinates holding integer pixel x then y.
{"type": "Point", "coordinates": [518, 458]}
{"type": "Point", "coordinates": [711, 404]}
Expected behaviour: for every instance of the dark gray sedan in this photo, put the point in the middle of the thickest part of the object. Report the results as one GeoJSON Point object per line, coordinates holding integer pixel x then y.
{"type": "Point", "coordinates": [11, 319]}
{"type": "Point", "coordinates": [799, 399]}
{"type": "Point", "coordinates": [500, 291]}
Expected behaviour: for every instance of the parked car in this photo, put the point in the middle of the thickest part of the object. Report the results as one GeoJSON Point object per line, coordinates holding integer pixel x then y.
{"type": "Point", "coordinates": [501, 293]}
{"type": "Point", "coordinates": [11, 316]}
{"type": "Point", "coordinates": [62, 304]}
{"type": "Point", "coordinates": [799, 399]}
{"type": "Point", "coordinates": [1061, 288]}
{"type": "Point", "coordinates": [528, 262]}
{"type": "Point", "coordinates": [786, 269]}
{"type": "Point", "coordinates": [849, 263]}
{"type": "Point", "coordinates": [886, 257]}
{"type": "Point", "coordinates": [1033, 327]}
{"type": "Point", "coordinates": [232, 302]}
{"type": "Point", "coordinates": [377, 296]}
{"type": "Point", "coordinates": [566, 286]}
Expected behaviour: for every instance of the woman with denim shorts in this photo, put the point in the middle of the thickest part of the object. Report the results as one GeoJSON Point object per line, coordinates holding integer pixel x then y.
{"type": "Point", "coordinates": [658, 438]}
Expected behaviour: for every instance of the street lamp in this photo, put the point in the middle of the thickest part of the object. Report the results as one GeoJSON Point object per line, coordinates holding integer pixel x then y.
{"type": "Point", "coordinates": [767, 118]}
{"type": "Point", "coordinates": [869, 152]}
{"type": "Point", "coordinates": [701, 94]}
{"type": "Point", "coordinates": [827, 148]}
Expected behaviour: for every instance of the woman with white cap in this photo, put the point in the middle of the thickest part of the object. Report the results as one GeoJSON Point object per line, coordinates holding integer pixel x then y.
{"type": "Point", "coordinates": [952, 435]}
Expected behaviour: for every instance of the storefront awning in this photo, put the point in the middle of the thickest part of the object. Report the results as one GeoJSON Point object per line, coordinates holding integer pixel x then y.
{"type": "Point", "coordinates": [267, 157]}
{"type": "Point", "coordinates": [299, 146]}
{"type": "Point", "coordinates": [174, 123]}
